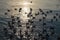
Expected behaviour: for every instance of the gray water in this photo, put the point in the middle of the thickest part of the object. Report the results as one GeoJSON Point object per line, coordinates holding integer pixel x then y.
{"type": "Point", "coordinates": [46, 5]}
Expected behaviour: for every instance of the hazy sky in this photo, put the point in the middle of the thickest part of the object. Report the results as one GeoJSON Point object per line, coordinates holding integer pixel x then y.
{"type": "Point", "coordinates": [37, 3]}
{"type": "Point", "coordinates": [44, 4]}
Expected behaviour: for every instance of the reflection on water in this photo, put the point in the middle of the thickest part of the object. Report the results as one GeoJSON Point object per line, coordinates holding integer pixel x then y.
{"type": "Point", "coordinates": [26, 21]}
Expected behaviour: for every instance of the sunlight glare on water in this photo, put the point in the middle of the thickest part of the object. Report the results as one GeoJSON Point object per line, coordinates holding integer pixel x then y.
{"type": "Point", "coordinates": [25, 10]}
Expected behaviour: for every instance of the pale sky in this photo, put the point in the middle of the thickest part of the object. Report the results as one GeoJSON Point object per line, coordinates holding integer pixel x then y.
{"type": "Point", "coordinates": [49, 4]}
{"type": "Point", "coordinates": [44, 4]}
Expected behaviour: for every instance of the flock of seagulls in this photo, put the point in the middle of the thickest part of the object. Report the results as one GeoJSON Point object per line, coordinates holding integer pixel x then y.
{"type": "Point", "coordinates": [30, 33]}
